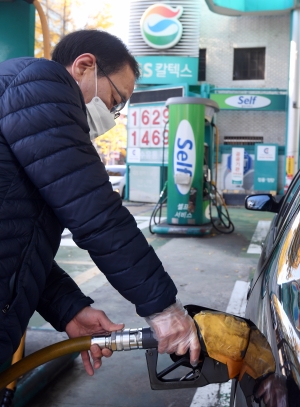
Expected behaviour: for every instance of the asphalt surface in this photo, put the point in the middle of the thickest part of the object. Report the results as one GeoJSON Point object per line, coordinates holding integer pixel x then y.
{"type": "Point", "coordinates": [205, 270]}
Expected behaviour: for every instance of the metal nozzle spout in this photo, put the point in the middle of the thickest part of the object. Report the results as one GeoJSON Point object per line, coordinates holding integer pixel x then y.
{"type": "Point", "coordinates": [126, 339]}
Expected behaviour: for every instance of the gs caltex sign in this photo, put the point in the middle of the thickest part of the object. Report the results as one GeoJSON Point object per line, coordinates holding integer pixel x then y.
{"type": "Point", "coordinates": [247, 102]}
{"type": "Point", "coordinates": [164, 38]}
{"type": "Point", "coordinates": [160, 26]}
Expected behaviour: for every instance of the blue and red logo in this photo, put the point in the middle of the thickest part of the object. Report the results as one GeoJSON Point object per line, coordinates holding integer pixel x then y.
{"type": "Point", "coordinates": [160, 27]}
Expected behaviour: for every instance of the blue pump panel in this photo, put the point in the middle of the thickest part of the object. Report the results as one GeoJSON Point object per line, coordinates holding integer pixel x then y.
{"type": "Point", "coordinates": [238, 7]}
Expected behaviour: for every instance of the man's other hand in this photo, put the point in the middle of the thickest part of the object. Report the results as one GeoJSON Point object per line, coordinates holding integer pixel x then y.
{"type": "Point", "coordinates": [90, 321]}
{"type": "Point", "coordinates": [176, 332]}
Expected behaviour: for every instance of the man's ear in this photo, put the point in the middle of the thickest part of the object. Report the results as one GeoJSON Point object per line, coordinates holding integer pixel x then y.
{"type": "Point", "coordinates": [82, 63]}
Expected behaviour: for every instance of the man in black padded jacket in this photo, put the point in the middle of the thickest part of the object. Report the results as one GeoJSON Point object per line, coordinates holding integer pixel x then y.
{"type": "Point", "coordinates": [52, 178]}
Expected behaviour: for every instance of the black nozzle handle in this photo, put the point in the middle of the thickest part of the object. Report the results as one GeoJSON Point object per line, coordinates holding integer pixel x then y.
{"type": "Point", "coordinates": [148, 340]}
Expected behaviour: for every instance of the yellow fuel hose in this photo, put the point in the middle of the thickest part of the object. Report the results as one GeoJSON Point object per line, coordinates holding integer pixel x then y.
{"type": "Point", "coordinates": [42, 356]}
{"type": "Point", "coordinates": [45, 28]}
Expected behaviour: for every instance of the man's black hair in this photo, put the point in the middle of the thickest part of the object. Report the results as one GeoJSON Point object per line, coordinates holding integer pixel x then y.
{"type": "Point", "coordinates": [110, 52]}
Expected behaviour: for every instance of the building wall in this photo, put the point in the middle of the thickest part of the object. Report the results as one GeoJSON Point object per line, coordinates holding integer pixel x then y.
{"type": "Point", "coordinates": [219, 35]}
{"type": "Point", "coordinates": [270, 125]}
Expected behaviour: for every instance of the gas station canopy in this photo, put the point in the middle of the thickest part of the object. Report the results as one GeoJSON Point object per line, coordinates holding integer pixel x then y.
{"type": "Point", "coordinates": [239, 7]}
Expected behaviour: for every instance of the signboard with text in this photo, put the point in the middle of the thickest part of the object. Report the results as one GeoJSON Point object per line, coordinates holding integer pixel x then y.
{"type": "Point", "coordinates": [237, 166]}
{"type": "Point", "coordinates": [147, 134]}
{"type": "Point", "coordinates": [266, 167]}
{"type": "Point", "coordinates": [168, 70]}
{"type": "Point", "coordinates": [231, 101]}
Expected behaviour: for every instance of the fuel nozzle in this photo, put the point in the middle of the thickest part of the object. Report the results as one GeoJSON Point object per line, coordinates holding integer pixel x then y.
{"type": "Point", "coordinates": [126, 339]}
{"type": "Point", "coordinates": [231, 348]}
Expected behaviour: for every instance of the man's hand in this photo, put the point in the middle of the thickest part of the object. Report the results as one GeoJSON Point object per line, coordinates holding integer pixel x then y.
{"type": "Point", "coordinates": [176, 332]}
{"type": "Point", "coordinates": [87, 322]}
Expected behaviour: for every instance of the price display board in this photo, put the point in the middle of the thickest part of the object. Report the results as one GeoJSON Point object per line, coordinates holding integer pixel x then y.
{"type": "Point", "coordinates": [147, 136]}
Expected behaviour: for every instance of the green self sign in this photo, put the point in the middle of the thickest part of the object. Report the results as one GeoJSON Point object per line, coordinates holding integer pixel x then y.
{"type": "Point", "coordinates": [231, 101]}
{"type": "Point", "coordinates": [266, 167]}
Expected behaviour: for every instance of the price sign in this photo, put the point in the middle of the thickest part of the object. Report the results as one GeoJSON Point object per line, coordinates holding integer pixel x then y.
{"type": "Point", "coordinates": [133, 118]}
{"type": "Point", "coordinates": [146, 127]}
{"type": "Point", "coordinates": [145, 115]}
{"type": "Point", "coordinates": [133, 137]}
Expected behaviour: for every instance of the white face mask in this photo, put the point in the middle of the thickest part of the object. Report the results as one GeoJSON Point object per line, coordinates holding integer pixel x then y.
{"type": "Point", "coordinates": [99, 118]}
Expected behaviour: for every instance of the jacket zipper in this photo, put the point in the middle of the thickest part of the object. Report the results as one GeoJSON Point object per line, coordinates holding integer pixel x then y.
{"type": "Point", "coordinates": [15, 275]}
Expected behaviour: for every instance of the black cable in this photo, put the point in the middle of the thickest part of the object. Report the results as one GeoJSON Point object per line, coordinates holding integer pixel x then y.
{"type": "Point", "coordinates": [162, 198]}
{"type": "Point", "coordinates": [223, 214]}
{"type": "Point", "coordinates": [163, 153]}
{"type": "Point", "coordinates": [158, 208]}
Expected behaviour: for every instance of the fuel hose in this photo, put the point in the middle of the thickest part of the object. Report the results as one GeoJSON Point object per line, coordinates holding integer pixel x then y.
{"type": "Point", "coordinates": [123, 340]}
{"type": "Point", "coordinates": [42, 356]}
{"type": "Point", "coordinates": [44, 25]}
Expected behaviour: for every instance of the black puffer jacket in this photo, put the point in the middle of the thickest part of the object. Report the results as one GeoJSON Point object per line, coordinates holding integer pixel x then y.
{"type": "Point", "coordinates": [51, 177]}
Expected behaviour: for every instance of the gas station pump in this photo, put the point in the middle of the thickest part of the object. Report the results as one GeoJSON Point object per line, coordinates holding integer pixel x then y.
{"type": "Point", "coordinates": [190, 189]}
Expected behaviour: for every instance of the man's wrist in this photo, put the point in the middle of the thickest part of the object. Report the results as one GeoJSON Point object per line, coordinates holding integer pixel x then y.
{"type": "Point", "coordinates": [175, 305]}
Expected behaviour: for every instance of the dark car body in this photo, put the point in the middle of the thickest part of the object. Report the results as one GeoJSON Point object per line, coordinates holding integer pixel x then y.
{"type": "Point", "coordinates": [274, 295]}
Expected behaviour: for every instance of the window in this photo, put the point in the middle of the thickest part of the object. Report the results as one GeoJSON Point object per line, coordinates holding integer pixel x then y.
{"type": "Point", "coordinates": [202, 65]}
{"type": "Point", "coordinates": [249, 63]}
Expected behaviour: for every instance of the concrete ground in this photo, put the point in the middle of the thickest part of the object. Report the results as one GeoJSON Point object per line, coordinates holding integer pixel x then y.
{"type": "Point", "coordinates": [205, 270]}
